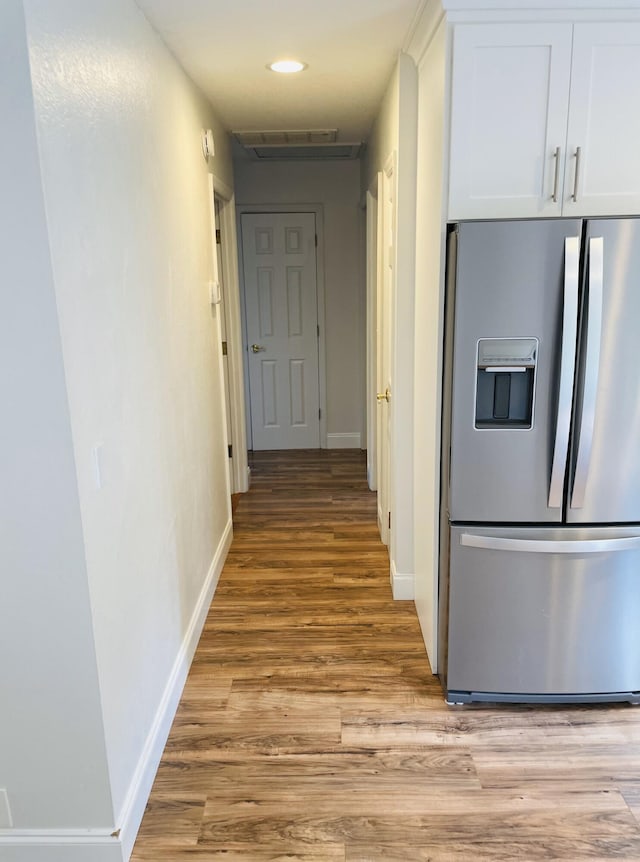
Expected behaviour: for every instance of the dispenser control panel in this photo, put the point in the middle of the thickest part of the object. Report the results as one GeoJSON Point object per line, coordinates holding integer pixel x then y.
{"type": "Point", "coordinates": [505, 382]}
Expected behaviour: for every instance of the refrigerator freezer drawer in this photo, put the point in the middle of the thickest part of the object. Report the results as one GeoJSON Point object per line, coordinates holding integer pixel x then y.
{"type": "Point", "coordinates": [528, 616]}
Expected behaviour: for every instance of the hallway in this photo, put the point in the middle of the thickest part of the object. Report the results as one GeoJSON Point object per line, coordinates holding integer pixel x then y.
{"type": "Point", "coordinates": [311, 727]}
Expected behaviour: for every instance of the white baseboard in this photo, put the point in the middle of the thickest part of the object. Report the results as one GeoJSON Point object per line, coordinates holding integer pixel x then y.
{"type": "Point", "coordinates": [62, 845]}
{"type": "Point", "coordinates": [140, 787]}
{"type": "Point", "coordinates": [344, 441]}
{"type": "Point", "coordinates": [402, 586]}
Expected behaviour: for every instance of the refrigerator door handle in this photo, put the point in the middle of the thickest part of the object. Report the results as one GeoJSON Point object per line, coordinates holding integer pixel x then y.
{"type": "Point", "coordinates": [567, 364]}
{"type": "Point", "coordinates": [550, 546]}
{"type": "Point", "coordinates": [591, 371]}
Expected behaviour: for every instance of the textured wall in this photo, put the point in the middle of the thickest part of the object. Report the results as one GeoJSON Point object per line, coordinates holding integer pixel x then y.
{"type": "Point", "coordinates": [52, 756]}
{"type": "Point", "coordinates": [126, 192]}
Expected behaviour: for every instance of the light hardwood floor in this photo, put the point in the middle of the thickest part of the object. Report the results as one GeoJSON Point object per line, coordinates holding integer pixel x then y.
{"type": "Point", "coordinates": [311, 727]}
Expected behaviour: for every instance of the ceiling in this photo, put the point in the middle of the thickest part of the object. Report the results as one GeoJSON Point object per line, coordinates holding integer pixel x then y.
{"type": "Point", "coordinates": [350, 47]}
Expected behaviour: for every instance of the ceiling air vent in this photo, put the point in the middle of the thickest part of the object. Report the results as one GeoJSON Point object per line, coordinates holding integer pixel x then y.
{"type": "Point", "coordinates": [296, 144]}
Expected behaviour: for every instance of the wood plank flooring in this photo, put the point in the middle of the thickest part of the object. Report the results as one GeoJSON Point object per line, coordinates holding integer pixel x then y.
{"type": "Point", "coordinates": [312, 729]}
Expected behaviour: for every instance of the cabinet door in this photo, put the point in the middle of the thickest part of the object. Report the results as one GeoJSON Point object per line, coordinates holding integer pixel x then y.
{"type": "Point", "coordinates": [508, 120]}
{"type": "Point", "coordinates": [604, 121]}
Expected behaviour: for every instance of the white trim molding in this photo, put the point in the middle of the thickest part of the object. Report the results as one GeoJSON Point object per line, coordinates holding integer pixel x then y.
{"type": "Point", "coordinates": [372, 258]}
{"type": "Point", "coordinates": [426, 25]}
{"type": "Point", "coordinates": [346, 440]}
{"type": "Point", "coordinates": [61, 846]}
{"type": "Point", "coordinates": [402, 585]}
{"type": "Point", "coordinates": [231, 275]}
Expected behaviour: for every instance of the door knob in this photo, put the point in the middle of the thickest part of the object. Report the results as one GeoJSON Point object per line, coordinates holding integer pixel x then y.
{"type": "Point", "coordinates": [384, 396]}
{"type": "Point", "coordinates": [257, 348]}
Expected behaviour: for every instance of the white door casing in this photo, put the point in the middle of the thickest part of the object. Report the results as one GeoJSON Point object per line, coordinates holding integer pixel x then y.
{"type": "Point", "coordinates": [280, 288]}
{"type": "Point", "coordinates": [385, 328]}
{"type": "Point", "coordinates": [223, 332]}
{"type": "Point", "coordinates": [371, 337]}
{"type": "Point", "coordinates": [221, 194]}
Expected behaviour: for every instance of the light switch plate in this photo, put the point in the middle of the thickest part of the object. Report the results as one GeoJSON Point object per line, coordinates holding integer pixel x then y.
{"type": "Point", "coordinates": [6, 821]}
{"type": "Point", "coordinates": [208, 145]}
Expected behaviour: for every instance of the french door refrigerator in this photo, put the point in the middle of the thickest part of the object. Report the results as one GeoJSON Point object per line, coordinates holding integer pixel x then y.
{"type": "Point", "coordinates": [540, 550]}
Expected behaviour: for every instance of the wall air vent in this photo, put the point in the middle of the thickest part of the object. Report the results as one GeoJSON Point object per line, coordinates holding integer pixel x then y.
{"type": "Point", "coordinates": [310, 151]}
{"type": "Point", "coordinates": [287, 138]}
{"type": "Point", "coordinates": [313, 144]}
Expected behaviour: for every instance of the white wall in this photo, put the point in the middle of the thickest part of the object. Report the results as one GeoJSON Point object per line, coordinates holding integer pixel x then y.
{"type": "Point", "coordinates": [52, 754]}
{"type": "Point", "coordinates": [382, 140]}
{"type": "Point", "coordinates": [337, 187]}
{"type": "Point", "coordinates": [430, 225]}
{"type": "Point", "coordinates": [127, 202]}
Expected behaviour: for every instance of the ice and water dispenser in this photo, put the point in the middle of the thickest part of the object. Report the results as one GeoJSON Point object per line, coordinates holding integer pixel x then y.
{"type": "Point", "coordinates": [505, 386]}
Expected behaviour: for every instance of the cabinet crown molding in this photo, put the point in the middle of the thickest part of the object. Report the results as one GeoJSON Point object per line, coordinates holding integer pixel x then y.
{"type": "Point", "coordinates": [431, 13]}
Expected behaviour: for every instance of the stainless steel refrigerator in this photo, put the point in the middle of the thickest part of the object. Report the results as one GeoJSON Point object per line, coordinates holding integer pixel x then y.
{"type": "Point", "coordinates": [540, 527]}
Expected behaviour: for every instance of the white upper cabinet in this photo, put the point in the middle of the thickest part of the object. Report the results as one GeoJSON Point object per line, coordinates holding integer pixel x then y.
{"type": "Point", "coordinates": [604, 121]}
{"type": "Point", "coordinates": [545, 120]}
{"type": "Point", "coordinates": [510, 96]}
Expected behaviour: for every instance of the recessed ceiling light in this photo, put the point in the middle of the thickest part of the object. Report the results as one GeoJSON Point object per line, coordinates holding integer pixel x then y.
{"type": "Point", "coordinates": [287, 66]}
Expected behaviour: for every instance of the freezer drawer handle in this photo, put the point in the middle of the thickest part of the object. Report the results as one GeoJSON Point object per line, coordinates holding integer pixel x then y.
{"type": "Point", "coordinates": [549, 546]}
{"type": "Point", "coordinates": [567, 360]}
{"type": "Point", "coordinates": [592, 367]}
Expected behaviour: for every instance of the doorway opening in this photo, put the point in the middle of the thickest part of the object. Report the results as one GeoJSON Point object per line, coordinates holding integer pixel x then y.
{"type": "Point", "coordinates": [226, 282]}
{"type": "Point", "coordinates": [355, 269]}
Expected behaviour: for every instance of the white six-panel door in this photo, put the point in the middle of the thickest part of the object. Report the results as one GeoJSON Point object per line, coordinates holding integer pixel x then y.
{"type": "Point", "coordinates": [279, 257]}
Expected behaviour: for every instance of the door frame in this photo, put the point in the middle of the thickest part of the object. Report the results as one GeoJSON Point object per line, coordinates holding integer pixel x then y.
{"type": "Point", "coordinates": [219, 276]}
{"type": "Point", "coordinates": [268, 209]}
{"type": "Point", "coordinates": [374, 267]}
{"type": "Point", "coordinates": [386, 288]}
{"type": "Point", "coordinates": [233, 320]}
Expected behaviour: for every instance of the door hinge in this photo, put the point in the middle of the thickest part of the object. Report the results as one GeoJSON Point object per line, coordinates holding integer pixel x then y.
{"type": "Point", "coordinates": [319, 413]}
{"type": "Point", "coordinates": [218, 236]}
{"type": "Point", "coordinates": [230, 448]}
{"type": "Point", "coordinates": [224, 348]}
{"type": "Point", "coordinates": [316, 240]}
{"type": "Point", "coordinates": [389, 520]}
{"type": "Point", "coordinates": [318, 331]}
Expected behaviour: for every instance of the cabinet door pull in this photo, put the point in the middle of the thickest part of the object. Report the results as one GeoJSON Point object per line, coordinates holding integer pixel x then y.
{"type": "Point", "coordinates": [556, 175]}
{"type": "Point", "coordinates": [576, 177]}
